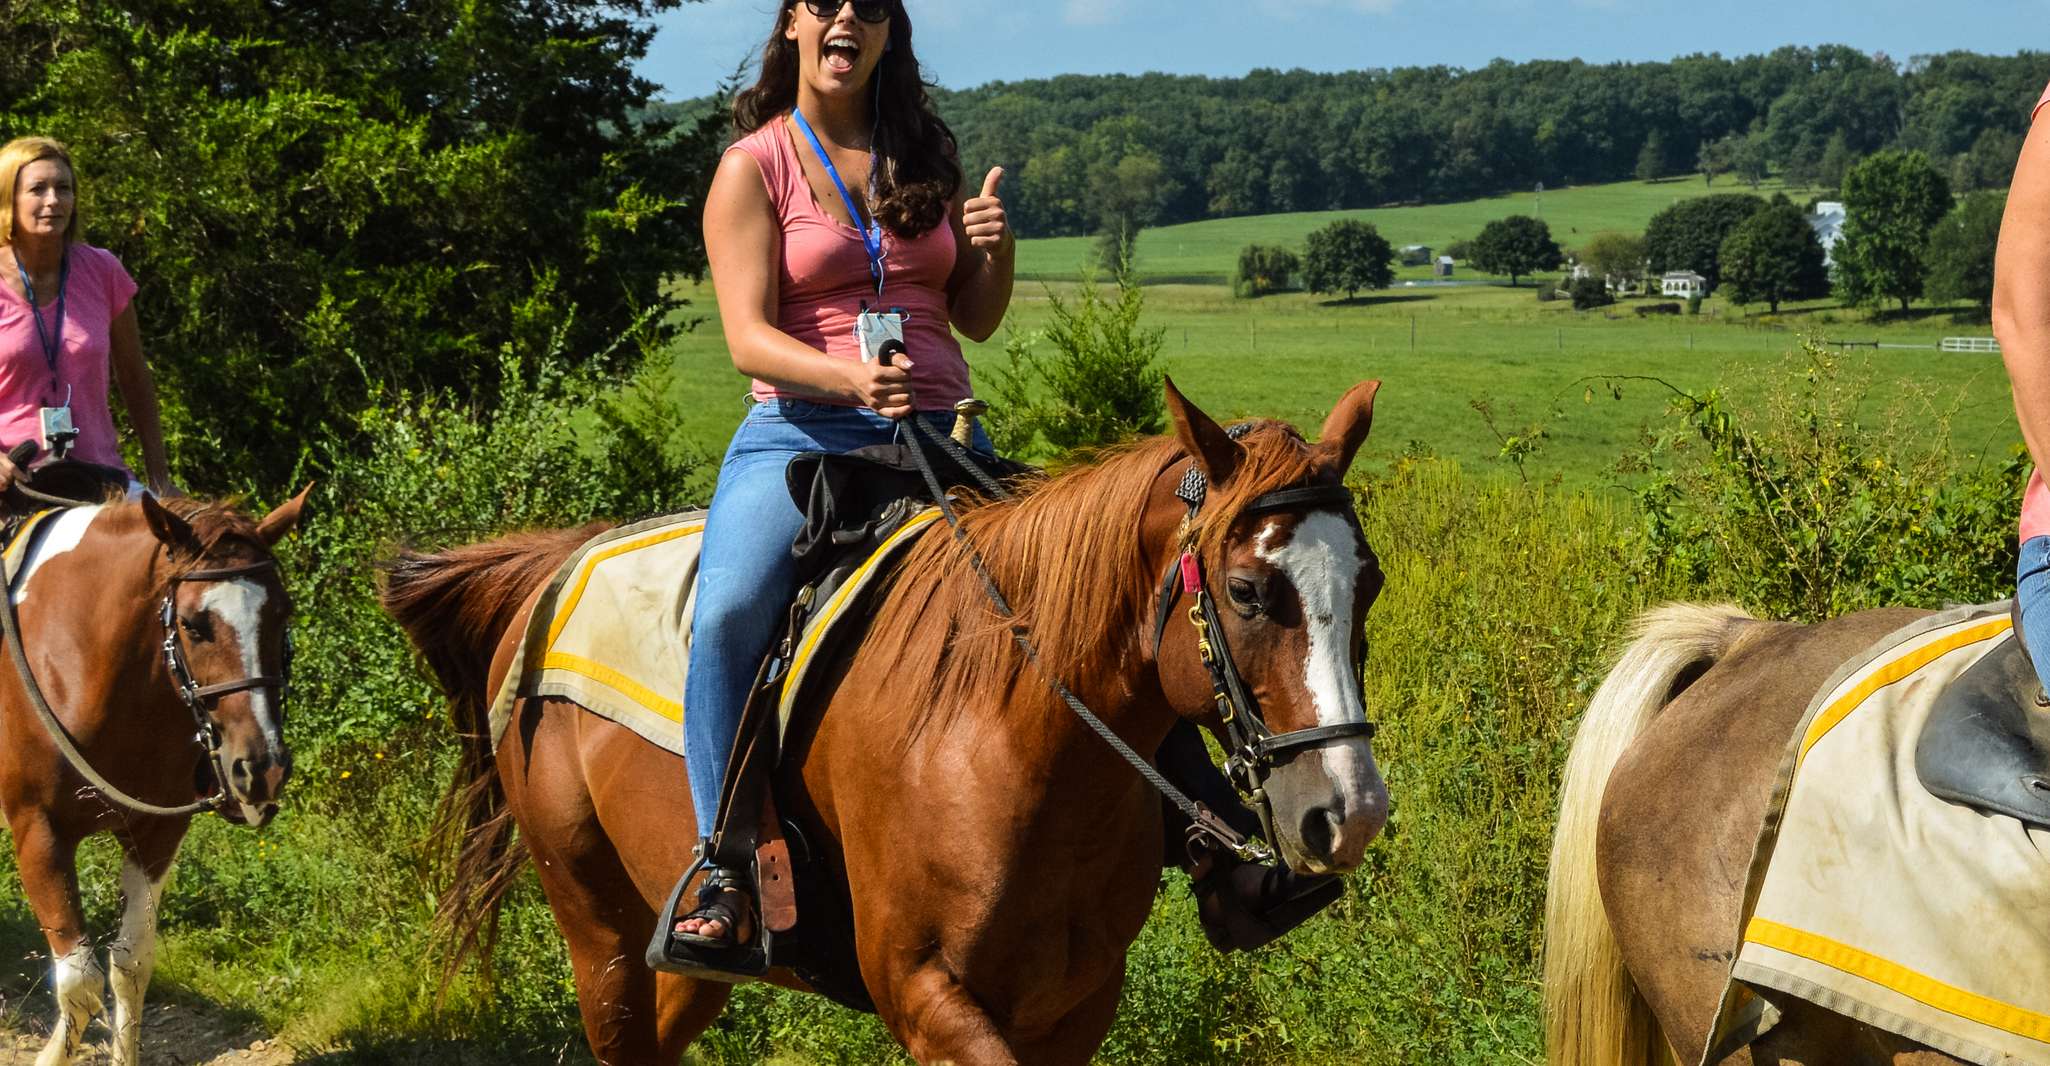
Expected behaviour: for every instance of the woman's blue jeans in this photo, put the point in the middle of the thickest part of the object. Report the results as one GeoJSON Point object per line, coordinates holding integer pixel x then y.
{"type": "Point", "coordinates": [746, 577]}
{"type": "Point", "coordinates": [2032, 592]}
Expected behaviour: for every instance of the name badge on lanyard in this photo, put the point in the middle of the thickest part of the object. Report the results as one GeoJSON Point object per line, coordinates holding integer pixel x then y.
{"type": "Point", "coordinates": [872, 328]}
{"type": "Point", "coordinates": [55, 422]}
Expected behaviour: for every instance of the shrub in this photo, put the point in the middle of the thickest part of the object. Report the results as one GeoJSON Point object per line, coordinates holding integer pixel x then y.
{"type": "Point", "coordinates": [1100, 385]}
{"type": "Point", "coordinates": [1460, 250]}
{"type": "Point", "coordinates": [1804, 503]}
{"type": "Point", "coordinates": [1667, 308]}
{"type": "Point", "coordinates": [1694, 304]}
{"type": "Point", "coordinates": [1588, 293]}
{"type": "Point", "coordinates": [1347, 256]}
{"type": "Point", "coordinates": [1263, 269]}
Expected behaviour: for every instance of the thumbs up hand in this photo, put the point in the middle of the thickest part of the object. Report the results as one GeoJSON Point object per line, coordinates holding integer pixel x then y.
{"type": "Point", "coordinates": [982, 217]}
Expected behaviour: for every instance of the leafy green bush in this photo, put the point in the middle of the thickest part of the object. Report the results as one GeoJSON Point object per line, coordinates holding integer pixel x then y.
{"type": "Point", "coordinates": [1100, 384]}
{"type": "Point", "coordinates": [1262, 269]}
{"type": "Point", "coordinates": [1811, 499]}
{"type": "Point", "coordinates": [1588, 293]}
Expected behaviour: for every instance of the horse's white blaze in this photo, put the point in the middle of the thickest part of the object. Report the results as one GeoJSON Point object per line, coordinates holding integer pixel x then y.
{"type": "Point", "coordinates": [78, 983]}
{"type": "Point", "coordinates": [1322, 560]}
{"type": "Point", "coordinates": [239, 604]}
{"type": "Point", "coordinates": [62, 534]}
{"type": "Point", "coordinates": [132, 958]}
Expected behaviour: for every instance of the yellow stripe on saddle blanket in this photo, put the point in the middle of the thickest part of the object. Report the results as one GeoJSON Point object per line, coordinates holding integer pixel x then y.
{"type": "Point", "coordinates": [612, 630]}
{"type": "Point", "coordinates": [1873, 898]}
{"type": "Point", "coordinates": [20, 538]}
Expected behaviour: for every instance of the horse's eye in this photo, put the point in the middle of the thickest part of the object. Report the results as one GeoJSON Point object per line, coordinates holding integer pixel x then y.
{"type": "Point", "coordinates": [1242, 593]}
{"type": "Point", "coordinates": [196, 629]}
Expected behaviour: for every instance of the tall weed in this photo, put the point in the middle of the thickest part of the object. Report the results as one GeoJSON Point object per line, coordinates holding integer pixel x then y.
{"type": "Point", "coordinates": [1100, 384]}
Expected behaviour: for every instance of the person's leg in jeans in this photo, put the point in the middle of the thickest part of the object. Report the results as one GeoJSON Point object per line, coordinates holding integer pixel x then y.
{"type": "Point", "coordinates": [2032, 593]}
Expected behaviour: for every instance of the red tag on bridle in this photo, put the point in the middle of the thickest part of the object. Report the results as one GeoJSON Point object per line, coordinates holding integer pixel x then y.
{"type": "Point", "coordinates": [1192, 574]}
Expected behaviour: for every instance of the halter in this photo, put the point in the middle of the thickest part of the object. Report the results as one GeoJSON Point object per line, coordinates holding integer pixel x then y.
{"type": "Point", "coordinates": [200, 699]}
{"type": "Point", "coordinates": [1255, 749]}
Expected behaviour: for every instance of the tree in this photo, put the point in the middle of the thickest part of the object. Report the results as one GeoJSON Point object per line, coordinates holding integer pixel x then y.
{"type": "Point", "coordinates": [1651, 159]}
{"type": "Point", "coordinates": [1837, 160]}
{"type": "Point", "coordinates": [1890, 202]}
{"type": "Point", "coordinates": [1989, 163]}
{"type": "Point", "coordinates": [1515, 246]}
{"type": "Point", "coordinates": [325, 201]}
{"type": "Point", "coordinates": [1716, 159]}
{"type": "Point", "coordinates": [1263, 269]}
{"type": "Point", "coordinates": [1347, 256]}
{"type": "Point", "coordinates": [1961, 247]}
{"type": "Point", "coordinates": [1615, 257]}
{"type": "Point", "coordinates": [1774, 256]}
{"type": "Point", "coordinates": [1588, 293]}
{"type": "Point", "coordinates": [1689, 235]}
{"type": "Point", "coordinates": [1748, 159]}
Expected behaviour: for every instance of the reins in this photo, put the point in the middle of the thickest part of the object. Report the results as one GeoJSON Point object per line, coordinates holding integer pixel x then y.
{"type": "Point", "coordinates": [194, 696]}
{"type": "Point", "coordinates": [1254, 747]}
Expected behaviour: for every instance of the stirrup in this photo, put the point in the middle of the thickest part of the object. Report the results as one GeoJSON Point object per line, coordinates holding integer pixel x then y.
{"type": "Point", "coordinates": [1246, 905]}
{"type": "Point", "coordinates": [692, 956]}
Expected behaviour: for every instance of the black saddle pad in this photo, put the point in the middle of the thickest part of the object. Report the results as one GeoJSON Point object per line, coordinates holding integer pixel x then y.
{"type": "Point", "coordinates": [1987, 742]}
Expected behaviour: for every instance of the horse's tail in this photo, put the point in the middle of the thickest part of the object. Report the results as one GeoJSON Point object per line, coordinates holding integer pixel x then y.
{"type": "Point", "coordinates": [1594, 1015]}
{"type": "Point", "coordinates": [456, 606]}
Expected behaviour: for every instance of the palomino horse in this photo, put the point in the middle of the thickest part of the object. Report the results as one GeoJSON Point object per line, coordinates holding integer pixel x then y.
{"type": "Point", "coordinates": [1665, 792]}
{"type": "Point", "coordinates": [999, 858]}
{"type": "Point", "coordinates": [105, 597]}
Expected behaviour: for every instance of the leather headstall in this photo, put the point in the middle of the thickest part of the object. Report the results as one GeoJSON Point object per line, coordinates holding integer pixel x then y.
{"type": "Point", "coordinates": [1255, 749]}
{"type": "Point", "coordinates": [199, 699]}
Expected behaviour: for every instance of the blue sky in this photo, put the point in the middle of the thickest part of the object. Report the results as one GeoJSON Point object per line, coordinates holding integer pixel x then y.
{"type": "Point", "coordinates": [965, 43]}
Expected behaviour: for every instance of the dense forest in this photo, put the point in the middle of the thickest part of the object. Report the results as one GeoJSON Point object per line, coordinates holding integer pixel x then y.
{"type": "Point", "coordinates": [1090, 152]}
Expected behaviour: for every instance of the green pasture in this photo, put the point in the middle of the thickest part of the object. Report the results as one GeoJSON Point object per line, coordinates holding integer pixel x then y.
{"type": "Point", "coordinates": [1205, 252]}
{"type": "Point", "coordinates": [1439, 351]}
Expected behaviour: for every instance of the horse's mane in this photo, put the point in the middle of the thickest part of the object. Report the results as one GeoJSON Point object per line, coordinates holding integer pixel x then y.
{"type": "Point", "coordinates": [1066, 554]}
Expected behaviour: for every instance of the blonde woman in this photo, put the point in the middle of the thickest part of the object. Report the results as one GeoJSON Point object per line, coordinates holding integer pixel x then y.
{"type": "Point", "coordinates": [67, 324]}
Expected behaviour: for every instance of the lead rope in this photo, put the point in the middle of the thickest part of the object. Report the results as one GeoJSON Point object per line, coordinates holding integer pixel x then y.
{"type": "Point", "coordinates": [11, 626]}
{"type": "Point", "coordinates": [1202, 822]}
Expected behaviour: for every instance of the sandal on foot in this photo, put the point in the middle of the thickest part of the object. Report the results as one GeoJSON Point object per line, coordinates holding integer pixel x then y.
{"type": "Point", "coordinates": [723, 898]}
{"type": "Point", "coordinates": [1246, 905]}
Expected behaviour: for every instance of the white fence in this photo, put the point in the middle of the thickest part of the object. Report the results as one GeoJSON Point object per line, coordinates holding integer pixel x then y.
{"type": "Point", "coordinates": [1970, 344]}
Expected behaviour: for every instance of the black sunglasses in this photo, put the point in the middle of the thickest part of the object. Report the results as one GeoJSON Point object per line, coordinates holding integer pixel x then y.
{"type": "Point", "coordinates": [865, 10]}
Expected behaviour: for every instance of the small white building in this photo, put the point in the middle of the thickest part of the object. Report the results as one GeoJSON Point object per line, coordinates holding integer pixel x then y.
{"type": "Point", "coordinates": [1683, 283]}
{"type": "Point", "coordinates": [1416, 255]}
{"type": "Point", "coordinates": [1444, 267]}
{"type": "Point", "coordinates": [1828, 223]}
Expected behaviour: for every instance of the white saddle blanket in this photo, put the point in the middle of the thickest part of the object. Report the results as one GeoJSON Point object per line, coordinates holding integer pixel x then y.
{"type": "Point", "coordinates": [612, 630]}
{"type": "Point", "coordinates": [1874, 899]}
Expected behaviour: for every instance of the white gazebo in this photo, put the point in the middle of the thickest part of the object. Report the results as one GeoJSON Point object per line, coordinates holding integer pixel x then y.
{"type": "Point", "coordinates": [1683, 283]}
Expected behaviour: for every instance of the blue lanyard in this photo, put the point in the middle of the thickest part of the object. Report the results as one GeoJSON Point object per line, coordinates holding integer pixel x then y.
{"type": "Point", "coordinates": [52, 348]}
{"type": "Point", "coordinates": [871, 230]}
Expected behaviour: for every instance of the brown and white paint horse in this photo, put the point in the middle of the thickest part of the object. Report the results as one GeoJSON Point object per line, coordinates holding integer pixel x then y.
{"type": "Point", "coordinates": [1000, 859]}
{"type": "Point", "coordinates": [1665, 792]}
{"type": "Point", "coordinates": [89, 596]}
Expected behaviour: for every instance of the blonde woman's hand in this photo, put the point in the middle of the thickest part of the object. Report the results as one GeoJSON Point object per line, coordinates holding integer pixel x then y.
{"type": "Point", "coordinates": [983, 218]}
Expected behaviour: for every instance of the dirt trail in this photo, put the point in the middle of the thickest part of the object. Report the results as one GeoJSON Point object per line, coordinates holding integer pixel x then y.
{"type": "Point", "coordinates": [173, 1034]}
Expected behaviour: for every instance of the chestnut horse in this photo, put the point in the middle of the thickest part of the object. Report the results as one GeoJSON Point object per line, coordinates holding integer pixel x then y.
{"type": "Point", "coordinates": [999, 858]}
{"type": "Point", "coordinates": [1665, 793]}
{"type": "Point", "coordinates": [103, 597]}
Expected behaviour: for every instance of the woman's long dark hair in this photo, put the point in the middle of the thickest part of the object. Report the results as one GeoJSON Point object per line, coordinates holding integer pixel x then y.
{"type": "Point", "coordinates": [917, 173]}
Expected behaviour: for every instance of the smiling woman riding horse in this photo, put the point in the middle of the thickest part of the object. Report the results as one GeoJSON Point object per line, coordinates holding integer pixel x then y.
{"type": "Point", "coordinates": [999, 857]}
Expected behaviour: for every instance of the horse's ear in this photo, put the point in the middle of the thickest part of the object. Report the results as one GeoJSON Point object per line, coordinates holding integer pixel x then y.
{"type": "Point", "coordinates": [173, 531]}
{"type": "Point", "coordinates": [1202, 437]}
{"type": "Point", "coordinates": [283, 520]}
{"type": "Point", "coordinates": [1345, 429]}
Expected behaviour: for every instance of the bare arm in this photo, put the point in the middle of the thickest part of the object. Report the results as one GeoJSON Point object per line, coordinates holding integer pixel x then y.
{"type": "Point", "coordinates": [743, 241]}
{"type": "Point", "coordinates": [979, 292]}
{"type": "Point", "coordinates": [139, 395]}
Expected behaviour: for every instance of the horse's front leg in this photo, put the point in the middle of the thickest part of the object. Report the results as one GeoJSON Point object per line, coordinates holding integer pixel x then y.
{"type": "Point", "coordinates": [47, 857]}
{"type": "Point", "coordinates": [145, 874]}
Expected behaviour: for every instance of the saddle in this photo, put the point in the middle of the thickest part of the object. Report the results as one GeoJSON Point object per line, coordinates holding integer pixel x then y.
{"type": "Point", "coordinates": [1986, 744]}
{"type": "Point", "coordinates": [853, 503]}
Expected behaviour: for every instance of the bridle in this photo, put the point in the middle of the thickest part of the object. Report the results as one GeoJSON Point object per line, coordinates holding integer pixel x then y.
{"type": "Point", "coordinates": [1254, 748]}
{"type": "Point", "coordinates": [200, 699]}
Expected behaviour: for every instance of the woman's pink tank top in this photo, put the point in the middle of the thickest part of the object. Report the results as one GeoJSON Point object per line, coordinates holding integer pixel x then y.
{"type": "Point", "coordinates": [824, 278]}
{"type": "Point", "coordinates": [2036, 497]}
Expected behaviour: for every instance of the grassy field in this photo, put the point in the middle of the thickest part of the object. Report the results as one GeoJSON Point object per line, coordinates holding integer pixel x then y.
{"type": "Point", "coordinates": [1439, 351]}
{"type": "Point", "coordinates": [1205, 252]}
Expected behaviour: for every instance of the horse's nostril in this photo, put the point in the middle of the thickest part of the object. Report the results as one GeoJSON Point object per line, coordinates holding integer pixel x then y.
{"type": "Point", "coordinates": [1319, 829]}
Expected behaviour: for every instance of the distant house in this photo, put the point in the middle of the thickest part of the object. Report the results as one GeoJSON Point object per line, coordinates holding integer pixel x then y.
{"type": "Point", "coordinates": [1444, 267]}
{"type": "Point", "coordinates": [1828, 222]}
{"type": "Point", "coordinates": [1683, 283]}
{"type": "Point", "coordinates": [1416, 255]}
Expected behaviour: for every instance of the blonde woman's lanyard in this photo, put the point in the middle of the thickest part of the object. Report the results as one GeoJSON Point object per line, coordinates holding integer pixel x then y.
{"type": "Point", "coordinates": [871, 230]}
{"type": "Point", "coordinates": [53, 342]}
